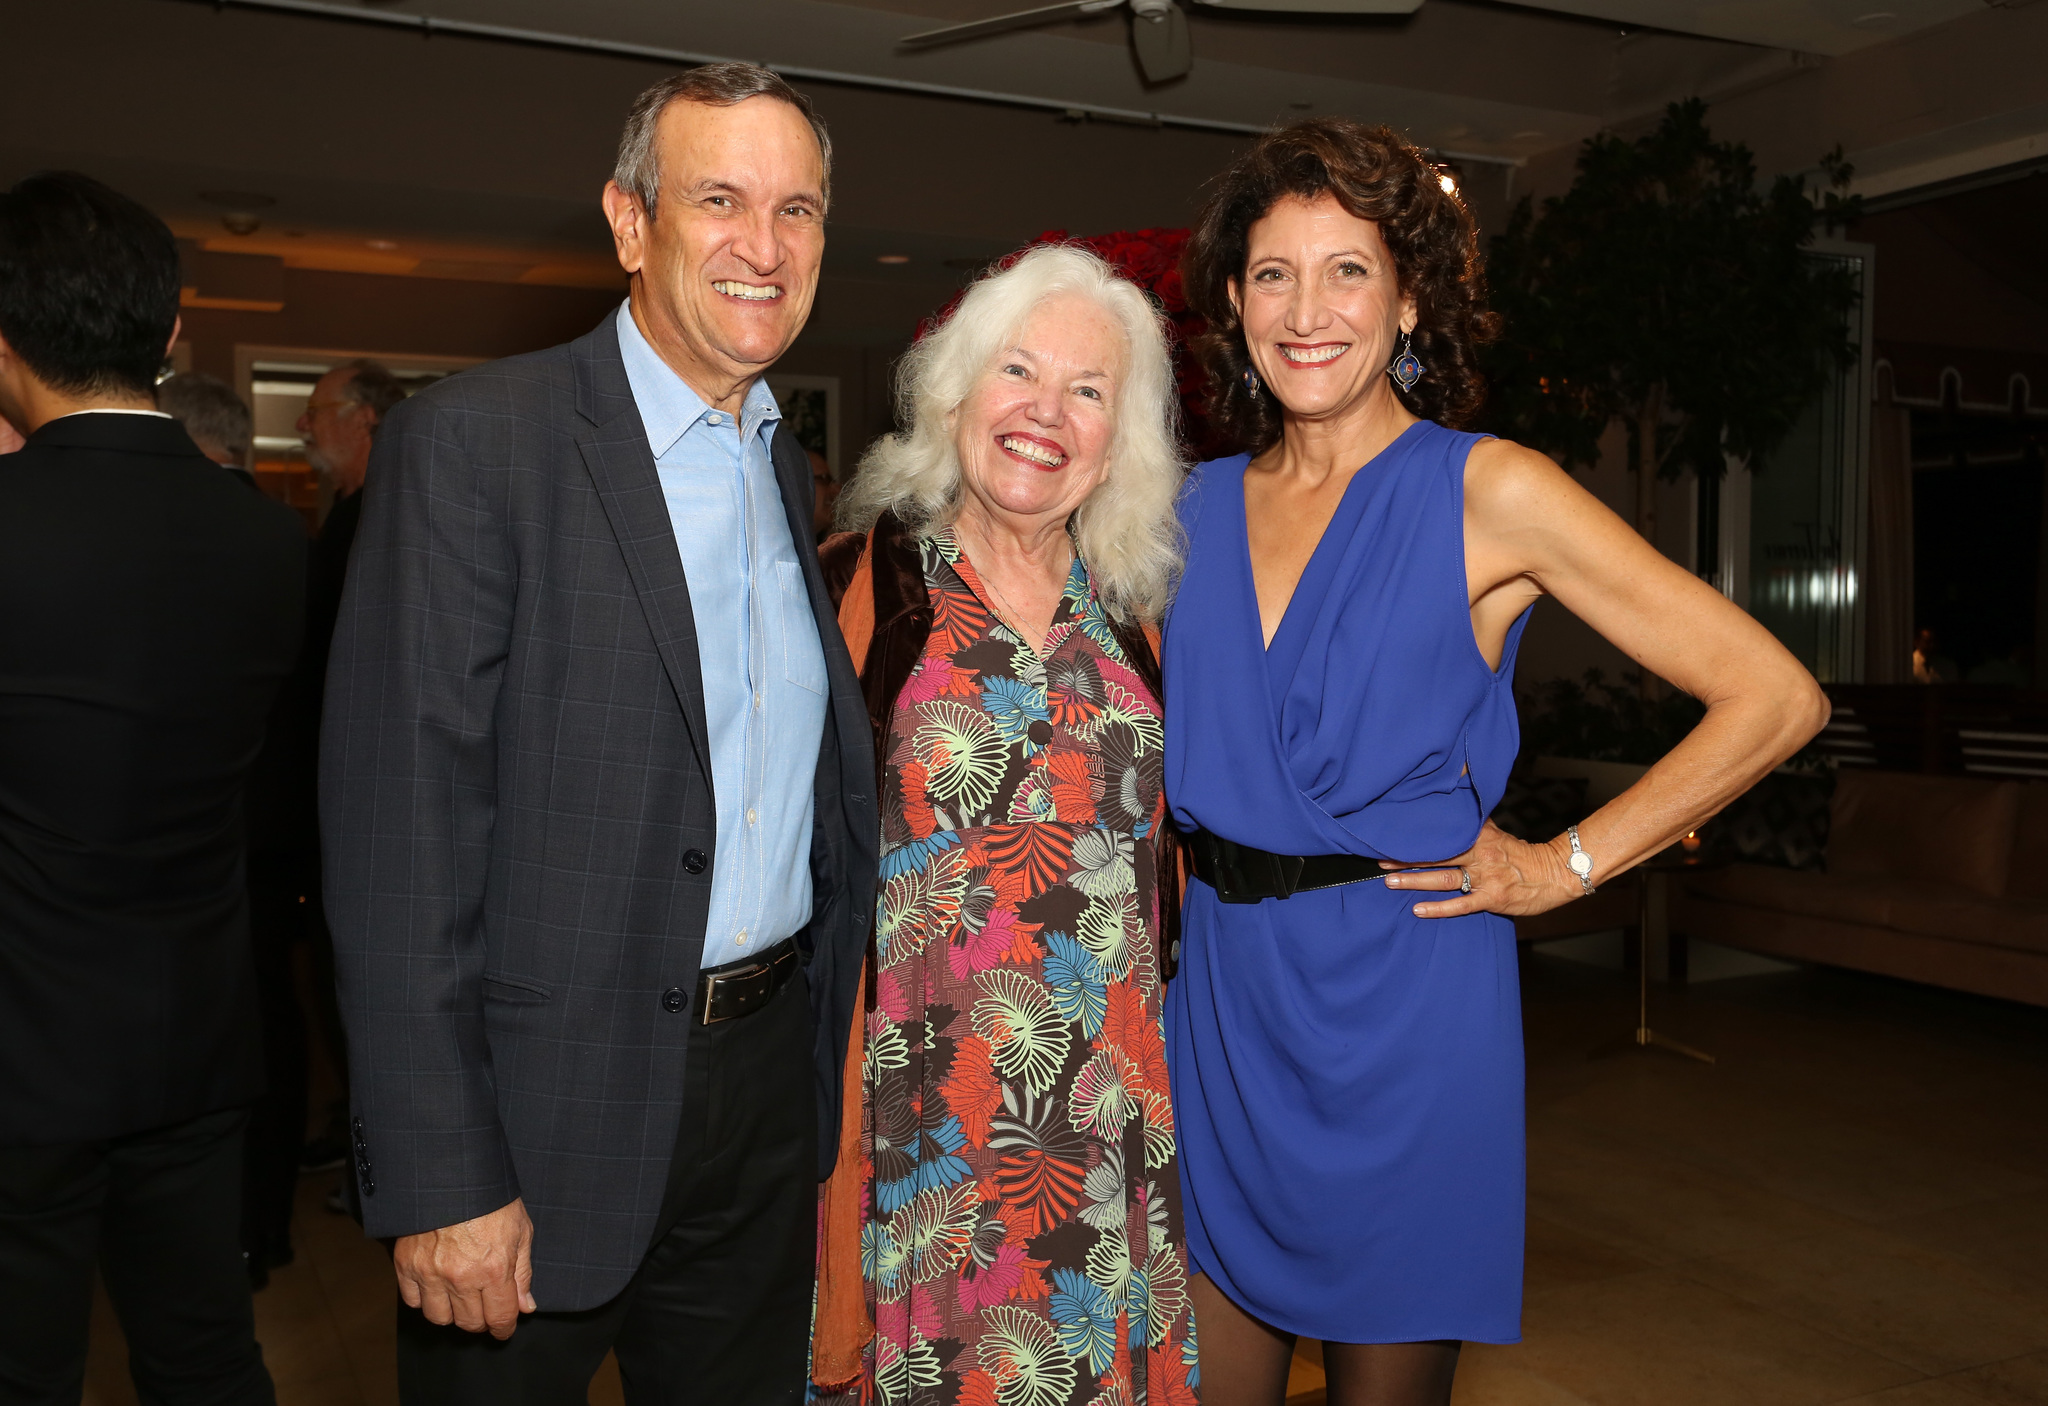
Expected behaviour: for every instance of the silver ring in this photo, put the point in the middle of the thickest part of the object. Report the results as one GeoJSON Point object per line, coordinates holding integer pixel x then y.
{"type": "Point", "coordinates": [1464, 879]}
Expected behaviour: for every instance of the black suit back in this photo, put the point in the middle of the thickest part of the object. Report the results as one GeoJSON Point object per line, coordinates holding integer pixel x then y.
{"type": "Point", "coordinates": [150, 603]}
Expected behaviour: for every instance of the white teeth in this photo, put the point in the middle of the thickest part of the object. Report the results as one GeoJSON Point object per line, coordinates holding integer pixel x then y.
{"type": "Point", "coordinates": [1035, 452]}
{"type": "Point", "coordinates": [1310, 356]}
{"type": "Point", "coordinates": [749, 291]}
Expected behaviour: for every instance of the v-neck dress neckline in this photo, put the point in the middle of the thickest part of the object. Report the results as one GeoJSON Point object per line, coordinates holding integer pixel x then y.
{"type": "Point", "coordinates": [1283, 655]}
{"type": "Point", "coordinates": [1079, 589]}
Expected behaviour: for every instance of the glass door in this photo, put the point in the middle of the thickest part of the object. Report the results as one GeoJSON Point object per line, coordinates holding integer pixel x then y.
{"type": "Point", "coordinates": [1807, 509]}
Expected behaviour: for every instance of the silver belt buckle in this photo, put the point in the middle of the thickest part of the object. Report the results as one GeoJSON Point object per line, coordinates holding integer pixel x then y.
{"type": "Point", "coordinates": [711, 989]}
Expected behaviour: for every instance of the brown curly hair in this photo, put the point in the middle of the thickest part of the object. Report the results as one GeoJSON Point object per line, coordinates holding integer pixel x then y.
{"type": "Point", "coordinates": [1376, 176]}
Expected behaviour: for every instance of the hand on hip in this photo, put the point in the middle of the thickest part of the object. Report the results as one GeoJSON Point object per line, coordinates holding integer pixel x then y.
{"type": "Point", "coordinates": [1499, 874]}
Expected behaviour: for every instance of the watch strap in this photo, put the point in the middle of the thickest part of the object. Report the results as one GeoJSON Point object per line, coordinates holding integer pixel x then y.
{"type": "Point", "coordinates": [1581, 863]}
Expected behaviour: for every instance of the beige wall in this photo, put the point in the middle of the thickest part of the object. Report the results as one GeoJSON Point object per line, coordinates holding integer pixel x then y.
{"type": "Point", "coordinates": [427, 317]}
{"type": "Point", "coordinates": [1939, 103]}
{"type": "Point", "coordinates": [397, 316]}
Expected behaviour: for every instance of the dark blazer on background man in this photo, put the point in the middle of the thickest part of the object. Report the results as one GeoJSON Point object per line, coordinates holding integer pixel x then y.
{"type": "Point", "coordinates": [150, 604]}
{"type": "Point", "coordinates": [517, 810]}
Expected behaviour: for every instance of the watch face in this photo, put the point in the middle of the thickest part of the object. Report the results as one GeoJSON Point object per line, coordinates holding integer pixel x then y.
{"type": "Point", "coordinates": [1581, 864]}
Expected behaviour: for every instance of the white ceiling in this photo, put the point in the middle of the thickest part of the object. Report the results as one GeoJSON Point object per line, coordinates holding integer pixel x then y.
{"type": "Point", "coordinates": [1810, 26]}
{"type": "Point", "coordinates": [389, 132]}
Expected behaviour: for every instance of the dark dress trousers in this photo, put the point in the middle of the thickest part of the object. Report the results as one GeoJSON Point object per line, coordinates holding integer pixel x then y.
{"type": "Point", "coordinates": [517, 818]}
{"type": "Point", "coordinates": [150, 605]}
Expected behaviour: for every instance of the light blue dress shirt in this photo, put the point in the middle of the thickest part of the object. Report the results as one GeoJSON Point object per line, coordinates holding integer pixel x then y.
{"type": "Point", "coordinates": [757, 646]}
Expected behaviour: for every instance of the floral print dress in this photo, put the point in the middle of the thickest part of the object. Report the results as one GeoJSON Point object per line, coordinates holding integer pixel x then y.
{"type": "Point", "coordinates": [1022, 1242]}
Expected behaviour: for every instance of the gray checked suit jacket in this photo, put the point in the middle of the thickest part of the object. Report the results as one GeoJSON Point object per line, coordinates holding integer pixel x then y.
{"type": "Point", "coordinates": [514, 764]}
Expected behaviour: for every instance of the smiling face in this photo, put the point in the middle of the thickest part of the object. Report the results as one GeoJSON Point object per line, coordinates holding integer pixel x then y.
{"type": "Point", "coordinates": [1321, 305]}
{"type": "Point", "coordinates": [725, 270]}
{"type": "Point", "coordinates": [1033, 434]}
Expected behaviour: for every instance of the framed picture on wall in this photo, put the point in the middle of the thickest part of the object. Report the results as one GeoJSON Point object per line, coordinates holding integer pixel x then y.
{"type": "Point", "coordinates": [810, 409]}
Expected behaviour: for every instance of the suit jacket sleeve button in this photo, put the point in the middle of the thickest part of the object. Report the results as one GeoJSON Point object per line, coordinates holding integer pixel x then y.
{"type": "Point", "coordinates": [694, 860]}
{"type": "Point", "coordinates": [673, 999]}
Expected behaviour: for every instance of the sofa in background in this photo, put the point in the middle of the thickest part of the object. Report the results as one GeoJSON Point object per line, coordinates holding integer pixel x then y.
{"type": "Point", "coordinates": [1937, 879]}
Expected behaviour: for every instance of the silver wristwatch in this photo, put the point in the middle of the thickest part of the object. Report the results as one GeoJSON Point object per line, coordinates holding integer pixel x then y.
{"type": "Point", "coordinates": [1581, 863]}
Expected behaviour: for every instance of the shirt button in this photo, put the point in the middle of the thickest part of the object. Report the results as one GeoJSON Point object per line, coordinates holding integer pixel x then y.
{"type": "Point", "coordinates": [673, 999]}
{"type": "Point", "coordinates": [741, 940]}
{"type": "Point", "coordinates": [750, 815]}
{"type": "Point", "coordinates": [714, 418]}
{"type": "Point", "coordinates": [757, 702]}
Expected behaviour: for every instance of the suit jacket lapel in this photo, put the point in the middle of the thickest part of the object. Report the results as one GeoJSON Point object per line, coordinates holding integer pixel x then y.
{"type": "Point", "coordinates": [614, 448]}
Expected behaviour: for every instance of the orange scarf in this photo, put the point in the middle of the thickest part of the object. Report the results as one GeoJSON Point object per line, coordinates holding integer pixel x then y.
{"type": "Point", "coordinates": [842, 1328]}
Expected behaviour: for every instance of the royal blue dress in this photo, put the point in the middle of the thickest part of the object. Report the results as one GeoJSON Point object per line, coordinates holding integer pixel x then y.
{"type": "Point", "coordinates": [1347, 1077]}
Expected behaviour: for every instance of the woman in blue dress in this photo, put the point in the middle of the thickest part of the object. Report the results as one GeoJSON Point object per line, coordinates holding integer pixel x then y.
{"type": "Point", "coordinates": [1346, 1060]}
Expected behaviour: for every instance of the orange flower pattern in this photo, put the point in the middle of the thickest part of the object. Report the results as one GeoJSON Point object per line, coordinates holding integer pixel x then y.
{"type": "Point", "coordinates": [1022, 1243]}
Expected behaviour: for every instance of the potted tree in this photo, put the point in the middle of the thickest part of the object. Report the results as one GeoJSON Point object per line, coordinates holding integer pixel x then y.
{"type": "Point", "coordinates": [1669, 291]}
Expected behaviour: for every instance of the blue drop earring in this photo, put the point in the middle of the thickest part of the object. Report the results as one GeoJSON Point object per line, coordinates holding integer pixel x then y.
{"type": "Point", "coordinates": [1251, 381]}
{"type": "Point", "coordinates": [1406, 370]}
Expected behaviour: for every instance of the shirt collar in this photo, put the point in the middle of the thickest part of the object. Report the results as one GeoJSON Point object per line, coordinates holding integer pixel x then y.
{"type": "Point", "coordinates": [112, 410]}
{"type": "Point", "coordinates": [668, 407]}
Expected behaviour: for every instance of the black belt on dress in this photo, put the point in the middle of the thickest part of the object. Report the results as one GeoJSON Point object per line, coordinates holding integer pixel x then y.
{"type": "Point", "coordinates": [1241, 874]}
{"type": "Point", "coordinates": [734, 990]}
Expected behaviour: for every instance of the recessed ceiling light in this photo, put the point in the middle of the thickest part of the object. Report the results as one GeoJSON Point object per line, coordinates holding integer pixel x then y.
{"type": "Point", "coordinates": [386, 244]}
{"type": "Point", "coordinates": [238, 199]}
{"type": "Point", "coordinates": [892, 258]}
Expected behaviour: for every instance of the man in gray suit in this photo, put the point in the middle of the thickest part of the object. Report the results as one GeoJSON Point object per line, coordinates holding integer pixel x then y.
{"type": "Point", "coordinates": [597, 799]}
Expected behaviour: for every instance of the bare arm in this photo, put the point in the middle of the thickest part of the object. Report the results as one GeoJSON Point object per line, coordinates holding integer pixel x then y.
{"type": "Point", "coordinates": [1531, 530]}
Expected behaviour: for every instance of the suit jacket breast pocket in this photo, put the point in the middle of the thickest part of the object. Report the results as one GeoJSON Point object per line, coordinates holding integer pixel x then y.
{"type": "Point", "coordinates": [515, 991]}
{"type": "Point", "coordinates": [803, 656]}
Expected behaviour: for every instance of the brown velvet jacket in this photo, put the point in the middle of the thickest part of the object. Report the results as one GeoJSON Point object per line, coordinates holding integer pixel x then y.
{"type": "Point", "coordinates": [903, 625]}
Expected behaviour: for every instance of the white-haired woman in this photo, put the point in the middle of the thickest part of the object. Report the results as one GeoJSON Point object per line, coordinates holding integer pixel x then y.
{"type": "Point", "coordinates": [1007, 1206]}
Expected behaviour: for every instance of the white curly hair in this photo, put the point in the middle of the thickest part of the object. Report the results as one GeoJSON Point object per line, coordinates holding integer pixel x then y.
{"type": "Point", "coordinates": [1126, 530]}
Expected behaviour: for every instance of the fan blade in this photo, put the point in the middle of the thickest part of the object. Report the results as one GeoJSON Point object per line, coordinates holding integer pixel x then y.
{"type": "Point", "coordinates": [1321, 7]}
{"type": "Point", "coordinates": [1022, 19]}
{"type": "Point", "coordinates": [1161, 44]}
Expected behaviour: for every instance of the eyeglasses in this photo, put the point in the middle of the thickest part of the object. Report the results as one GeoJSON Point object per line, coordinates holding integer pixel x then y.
{"type": "Point", "coordinates": [313, 405]}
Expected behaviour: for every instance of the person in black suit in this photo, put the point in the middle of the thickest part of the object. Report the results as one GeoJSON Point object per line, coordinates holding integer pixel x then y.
{"type": "Point", "coordinates": [598, 814]}
{"type": "Point", "coordinates": [149, 606]}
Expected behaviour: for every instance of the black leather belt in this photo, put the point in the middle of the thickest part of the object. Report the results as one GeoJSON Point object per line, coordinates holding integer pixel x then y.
{"type": "Point", "coordinates": [733, 990]}
{"type": "Point", "coordinates": [1241, 874]}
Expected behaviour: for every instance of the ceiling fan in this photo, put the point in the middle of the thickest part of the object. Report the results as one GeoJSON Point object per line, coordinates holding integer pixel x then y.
{"type": "Point", "coordinates": [1159, 28]}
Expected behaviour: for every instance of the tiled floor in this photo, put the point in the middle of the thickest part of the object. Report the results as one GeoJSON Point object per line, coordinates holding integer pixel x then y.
{"type": "Point", "coordinates": [1851, 1206]}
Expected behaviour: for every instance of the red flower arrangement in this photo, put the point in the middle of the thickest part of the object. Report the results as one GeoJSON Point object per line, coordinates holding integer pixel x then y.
{"type": "Point", "coordinates": [1150, 258]}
